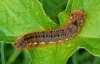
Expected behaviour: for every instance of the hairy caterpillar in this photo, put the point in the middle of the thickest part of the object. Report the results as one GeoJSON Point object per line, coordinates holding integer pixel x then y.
{"type": "Point", "coordinates": [61, 34]}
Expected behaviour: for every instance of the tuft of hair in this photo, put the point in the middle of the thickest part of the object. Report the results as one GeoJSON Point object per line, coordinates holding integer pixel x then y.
{"type": "Point", "coordinates": [78, 13]}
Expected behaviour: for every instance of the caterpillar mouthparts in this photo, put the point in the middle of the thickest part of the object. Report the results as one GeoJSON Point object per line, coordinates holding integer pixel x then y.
{"type": "Point", "coordinates": [61, 34]}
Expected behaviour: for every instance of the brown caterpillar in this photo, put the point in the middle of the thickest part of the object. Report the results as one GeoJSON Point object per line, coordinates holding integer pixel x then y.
{"type": "Point", "coordinates": [61, 34]}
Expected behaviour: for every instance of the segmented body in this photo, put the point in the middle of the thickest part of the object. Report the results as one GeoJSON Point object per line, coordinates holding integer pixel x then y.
{"type": "Point", "coordinates": [69, 30]}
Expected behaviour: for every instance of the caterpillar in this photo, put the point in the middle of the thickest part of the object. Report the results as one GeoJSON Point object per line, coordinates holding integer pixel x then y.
{"type": "Point", "coordinates": [68, 31]}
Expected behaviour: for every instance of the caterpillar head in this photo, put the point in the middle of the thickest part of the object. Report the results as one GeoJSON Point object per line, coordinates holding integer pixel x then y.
{"type": "Point", "coordinates": [78, 13]}
{"type": "Point", "coordinates": [77, 17]}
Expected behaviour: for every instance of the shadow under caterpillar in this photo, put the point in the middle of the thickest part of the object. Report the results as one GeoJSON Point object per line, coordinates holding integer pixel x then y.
{"type": "Point", "coordinates": [61, 34]}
